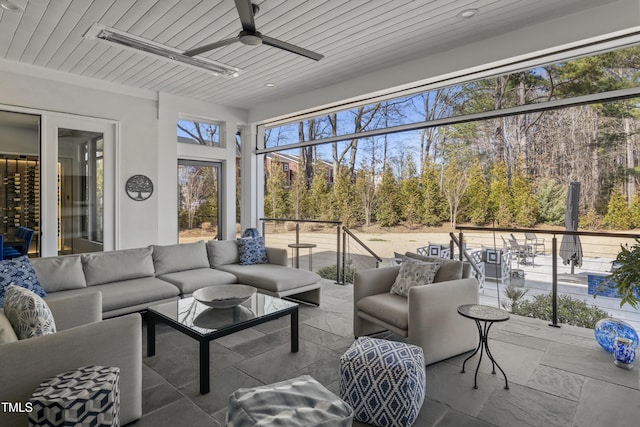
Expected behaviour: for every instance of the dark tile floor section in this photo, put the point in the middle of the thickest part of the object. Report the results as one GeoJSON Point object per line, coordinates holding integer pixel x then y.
{"type": "Point", "coordinates": [557, 377]}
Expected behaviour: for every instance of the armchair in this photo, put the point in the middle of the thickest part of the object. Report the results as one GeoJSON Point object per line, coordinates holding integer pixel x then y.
{"type": "Point", "coordinates": [82, 339]}
{"type": "Point", "coordinates": [428, 316]}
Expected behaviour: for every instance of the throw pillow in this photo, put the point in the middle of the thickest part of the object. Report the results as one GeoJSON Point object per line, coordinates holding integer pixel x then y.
{"type": "Point", "coordinates": [28, 314]}
{"type": "Point", "coordinates": [252, 251]}
{"type": "Point", "coordinates": [19, 272]}
{"type": "Point", "coordinates": [450, 269]}
{"type": "Point", "coordinates": [413, 273]}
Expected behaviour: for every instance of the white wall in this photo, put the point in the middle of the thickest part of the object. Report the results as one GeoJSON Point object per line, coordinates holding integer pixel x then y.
{"type": "Point", "coordinates": [597, 21]}
{"type": "Point", "coordinates": [146, 142]}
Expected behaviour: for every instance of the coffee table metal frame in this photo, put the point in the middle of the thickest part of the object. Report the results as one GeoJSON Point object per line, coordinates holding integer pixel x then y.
{"type": "Point", "coordinates": [153, 316]}
{"type": "Point", "coordinates": [489, 315]}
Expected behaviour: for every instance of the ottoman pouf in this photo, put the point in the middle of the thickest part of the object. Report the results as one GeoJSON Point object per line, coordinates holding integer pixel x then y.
{"type": "Point", "coordinates": [384, 381]}
{"type": "Point", "coordinates": [88, 396]}
{"type": "Point", "coordinates": [298, 402]}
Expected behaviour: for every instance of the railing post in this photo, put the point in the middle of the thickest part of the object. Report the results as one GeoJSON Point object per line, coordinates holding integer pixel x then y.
{"type": "Point", "coordinates": [461, 244]}
{"type": "Point", "coordinates": [344, 254]}
{"type": "Point", "coordinates": [297, 242]}
{"type": "Point", "coordinates": [554, 281]}
{"type": "Point", "coordinates": [338, 255]}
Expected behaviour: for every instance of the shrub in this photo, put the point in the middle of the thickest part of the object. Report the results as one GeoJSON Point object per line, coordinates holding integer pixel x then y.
{"type": "Point", "coordinates": [570, 311]}
{"type": "Point", "coordinates": [329, 272]}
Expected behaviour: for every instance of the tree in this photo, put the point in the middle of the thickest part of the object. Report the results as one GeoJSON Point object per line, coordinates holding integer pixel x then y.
{"type": "Point", "coordinates": [387, 206]}
{"type": "Point", "coordinates": [343, 198]}
{"type": "Point", "coordinates": [365, 190]}
{"type": "Point", "coordinates": [618, 214]}
{"type": "Point", "coordinates": [499, 195]}
{"type": "Point", "coordinates": [275, 194]}
{"type": "Point", "coordinates": [550, 197]}
{"type": "Point", "coordinates": [454, 187]}
{"type": "Point", "coordinates": [195, 184]}
{"type": "Point", "coordinates": [635, 211]}
{"type": "Point", "coordinates": [525, 206]}
{"type": "Point", "coordinates": [297, 194]}
{"type": "Point", "coordinates": [433, 201]}
{"type": "Point", "coordinates": [410, 195]}
{"type": "Point", "coordinates": [319, 194]}
{"type": "Point", "coordinates": [477, 195]}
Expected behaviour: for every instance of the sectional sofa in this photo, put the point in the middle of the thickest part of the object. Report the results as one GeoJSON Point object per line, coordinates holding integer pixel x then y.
{"type": "Point", "coordinates": [130, 280]}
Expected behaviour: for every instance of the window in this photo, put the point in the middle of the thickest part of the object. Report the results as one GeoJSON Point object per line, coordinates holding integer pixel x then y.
{"type": "Point", "coordinates": [199, 200]}
{"type": "Point", "coordinates": [200, 133]}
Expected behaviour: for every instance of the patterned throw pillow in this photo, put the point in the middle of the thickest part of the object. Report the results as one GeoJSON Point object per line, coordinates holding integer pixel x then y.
{"type": "Point", "coordinates": [19, 272]}
{"type": "Point", "coordinates": [28, 314]}
{"type": "Point", "coordinates": [252, 251]}
{"type": "Point", "coordinates": [414, 273]}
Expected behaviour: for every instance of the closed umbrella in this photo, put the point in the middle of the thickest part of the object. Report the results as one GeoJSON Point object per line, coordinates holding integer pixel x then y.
{"type": "Point", "coordinates": [571, 248]}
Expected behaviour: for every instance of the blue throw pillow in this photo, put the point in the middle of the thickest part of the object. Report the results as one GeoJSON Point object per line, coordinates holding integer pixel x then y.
{"type": "Point", "coordinates": [252, 251]}
{"type": "Point", "coordinates": [19, 272]}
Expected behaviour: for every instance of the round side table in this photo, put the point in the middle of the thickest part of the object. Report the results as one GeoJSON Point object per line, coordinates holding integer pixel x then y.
{"type": "Point", "coordinates": [489, 315]}
{"type": "Point", "coordinates": [296, 247]}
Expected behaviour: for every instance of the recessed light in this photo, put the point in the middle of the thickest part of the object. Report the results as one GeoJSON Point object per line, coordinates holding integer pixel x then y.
{"type": "Point", "coordinates": [468, 13]}
{"type": "Point", "coordinates": [270, 84]}
{"type": "Point", "coordinates": [11, 6]}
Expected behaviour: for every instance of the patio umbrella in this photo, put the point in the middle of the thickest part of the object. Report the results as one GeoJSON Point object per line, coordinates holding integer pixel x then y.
{"type": "Point", "coordinates": [571, 248]}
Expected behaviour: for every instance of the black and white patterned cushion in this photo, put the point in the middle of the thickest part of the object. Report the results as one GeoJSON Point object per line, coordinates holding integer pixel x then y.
{"type": "Point", "coordinates": [28, 314]}
{"type": "Point", "coordinates": [19, 272]}
{"type": "Point", "coordinates": [414, 273]}
{"type": "Point", "coordinates": [301, 401]}
{"type": "Point", "coordinates": [252, 251]}
{"type": "Point", "coordinates": [383, 381]}
{"type": "Point", "coordinates": [88, 396]}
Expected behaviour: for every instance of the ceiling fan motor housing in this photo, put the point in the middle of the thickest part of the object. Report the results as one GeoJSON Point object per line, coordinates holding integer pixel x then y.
{"type": "Point", "coordinates": [251, 39]}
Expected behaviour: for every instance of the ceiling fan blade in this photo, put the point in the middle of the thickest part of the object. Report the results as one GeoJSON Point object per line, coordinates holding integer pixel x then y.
{"type": "Point", "coordinates": [291, 48]}
{"type": "Point", "coordinates": [207, 47]}
{"type": "Point", "coordinates": [245, 11]}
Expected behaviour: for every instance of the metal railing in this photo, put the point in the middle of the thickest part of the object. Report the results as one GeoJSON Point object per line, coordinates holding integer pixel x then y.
{"type": "Point", "coordinates": [460, 242]}
{"type": "Point", "coordinates": [347, 236]}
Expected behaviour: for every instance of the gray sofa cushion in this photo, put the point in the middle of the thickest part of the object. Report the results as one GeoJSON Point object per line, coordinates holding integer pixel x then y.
{"type": "Point", "coordinates": [222, 252]}
{"type": "Point", "coordinates": [274, 278]}
{"type": "Point", "coordinates": [133, 292]}
{"type": "Point", "coordinates": [59, 273]}
{"type": "Point", "coordinates": [191, 280]}
{"type": "Point", "coordinates": [450, 269]}
{"type": "Point", "coordinates": [179, 257]}
{"type": "Point", "coordinates": [388, 307]}
{"type": "Point", "coordinates": [107, 267]}
{"type": "Point", "coordinates": [7, 334]}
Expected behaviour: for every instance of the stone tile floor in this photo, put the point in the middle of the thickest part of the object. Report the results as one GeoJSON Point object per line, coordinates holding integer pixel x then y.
{"type": "Point", "coordinates": [557, 377]}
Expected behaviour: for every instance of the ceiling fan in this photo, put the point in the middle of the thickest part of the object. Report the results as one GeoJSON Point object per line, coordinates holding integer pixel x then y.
{"type": "Point", "coordinates": [250, 36]}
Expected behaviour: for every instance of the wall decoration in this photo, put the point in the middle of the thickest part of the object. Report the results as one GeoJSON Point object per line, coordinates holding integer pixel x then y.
{"type": "Point", "coordinates": [139, 187]}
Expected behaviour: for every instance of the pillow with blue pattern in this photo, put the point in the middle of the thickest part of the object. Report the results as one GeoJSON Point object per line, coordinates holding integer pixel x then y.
{"type": "Point", "coordinates": [252, 251]}
{"type": "Point", "coordinates": [19, 272]}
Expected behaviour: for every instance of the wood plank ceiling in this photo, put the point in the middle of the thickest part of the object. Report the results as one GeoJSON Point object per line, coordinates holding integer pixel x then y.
{"type": "Point", "coordinates": [356, 36]}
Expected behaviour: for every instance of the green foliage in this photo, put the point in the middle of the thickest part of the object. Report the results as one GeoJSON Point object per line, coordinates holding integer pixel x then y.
{"type": "Point", "coordinates": [318, 195]}
{"type": "Point", "coordinates": [635, 211]}
{"type": "Point", "coordinates": [454, 186]}
{"type": "Point", "coordinates": [275, 197]}
{"type": "Point", "coordinates": [387, 210]}
{"type": "Point", "coordinates": [618, 214]}
{"type": "Point", "coordinates": [627, 276]}
{"type": "Point", "coordinates": [432, 201]}
{"type": "Point", "coordinates": [550, 197]}
{"type": "Point", "coordinates": [477, 194]}
{"type": "Point", "coordinates": [410, 200]}
{"type": "Point", "coordinates": [499, 195]}
{"type": "Point", "coordinates": [342, 200]}
{"type": "Point", "coordinates": [525, 207]}
{"type": "Point", "coordinates": [570, 311]}
{"type": "Point", "coordinates": [590, 220]}
{"type": "Point", "coordinates": [514, 295]}
{"type": "Point", "coordinates": [297, 195]}
{"type": "Point", "coordinates": [329, 272]}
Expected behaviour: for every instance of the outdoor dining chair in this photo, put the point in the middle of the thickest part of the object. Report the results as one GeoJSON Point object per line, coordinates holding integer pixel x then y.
{"type": "Point", "coordinates": [520, 252]}
{"type": "Point", "coordinates": [535, 242]}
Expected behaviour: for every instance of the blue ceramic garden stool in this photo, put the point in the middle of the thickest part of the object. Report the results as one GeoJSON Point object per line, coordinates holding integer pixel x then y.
{"type": "Point", "coordinates": [383, 381]}
{"type": "Point", "coordinates": [606, 331]}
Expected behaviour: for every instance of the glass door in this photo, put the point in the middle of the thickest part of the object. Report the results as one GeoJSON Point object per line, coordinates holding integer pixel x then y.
{"type": "Point", "coordinates": [199, 200]}
{"type": "Point", "coordinates": [78, 185]}
{"type": "Point", "coordinates": [20, 176]}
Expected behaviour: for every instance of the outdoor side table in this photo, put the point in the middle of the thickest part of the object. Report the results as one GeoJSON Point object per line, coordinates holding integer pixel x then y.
{"type": "Point", "coordinates": [297, 247]}
{"type": "Point", "coordinates": [489, 315]}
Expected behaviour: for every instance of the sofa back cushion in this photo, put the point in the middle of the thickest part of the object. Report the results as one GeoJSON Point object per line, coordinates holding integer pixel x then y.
{"type": "Point", "coordinates": [450, 269]}
{"type": "Point", "coordinates": [115, 266]}
{"type": "Point", "coordinates": [180, 257]}
{"type": "Point", "coordinates": [60, 273]}
{"type": "Point", "coordinates": [222, 252]}
{"type": "Point", "coordinates": [7, 334]}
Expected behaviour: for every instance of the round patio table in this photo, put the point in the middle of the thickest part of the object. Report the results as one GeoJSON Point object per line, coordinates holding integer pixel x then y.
{"type": "Point", "coordinates": [489, 315]}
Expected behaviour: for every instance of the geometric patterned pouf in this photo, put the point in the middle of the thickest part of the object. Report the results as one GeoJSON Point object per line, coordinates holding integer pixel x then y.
{"type": "Point", "coordinates": [297, 402]}
{"type": "Point", "coordinates": [88, 396]}
{"type": "Point", "coordinates": [383, 381]}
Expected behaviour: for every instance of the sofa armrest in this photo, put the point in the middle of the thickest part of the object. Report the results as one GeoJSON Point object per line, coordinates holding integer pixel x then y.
{"type": "Point", "coordinates": [373, 281]}
{"type": "Point", "coordinates": [70, 311]}
{"type": "Point", "coordinates": [277, 256]}
{"type": "Point", "coordinates": [434, 322]}
{"type": "Point", "coordinates": [113, 342]}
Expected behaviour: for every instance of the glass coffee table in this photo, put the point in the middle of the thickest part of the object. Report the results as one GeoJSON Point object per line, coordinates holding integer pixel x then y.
{"type": "Point", "coordinates": [205, 324]}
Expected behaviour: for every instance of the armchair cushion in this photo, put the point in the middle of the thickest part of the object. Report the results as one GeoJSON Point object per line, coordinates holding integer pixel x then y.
{"type": "Point", "coordinates": [450, 269]}
{"type": "Point", "coordinates": [414, 273]}
{"type": "Point", "coordinates": [390, 308]}
{"type": "Point", "coordinates": [28, 314]}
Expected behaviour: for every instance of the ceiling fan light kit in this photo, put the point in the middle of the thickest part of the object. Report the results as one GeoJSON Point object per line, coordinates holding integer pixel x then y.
{"type": "Point", "coordinates": [157, 50]}
{"type": "Point", "coordinates": [10, 6]}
